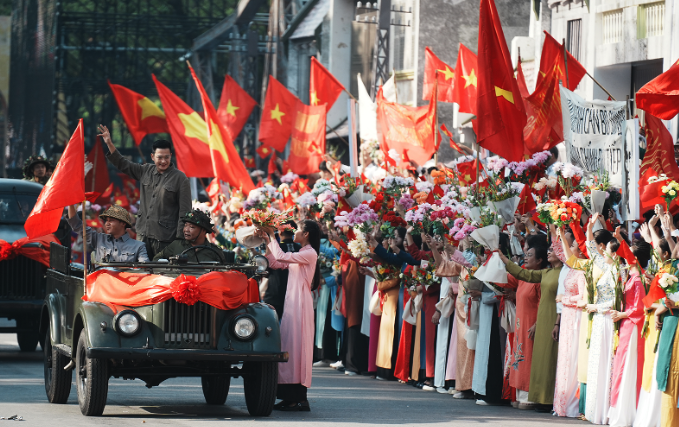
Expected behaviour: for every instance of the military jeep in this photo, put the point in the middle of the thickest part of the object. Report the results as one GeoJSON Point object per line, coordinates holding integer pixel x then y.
{"type": "Point", "coordinates": [156, 342]}
{"type": "Point", "coordinates": [22, 280]}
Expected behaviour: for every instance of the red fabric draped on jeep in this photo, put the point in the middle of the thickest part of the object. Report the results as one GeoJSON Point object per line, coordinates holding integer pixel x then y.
{"type": "Point", "coordinates": [222, 290]}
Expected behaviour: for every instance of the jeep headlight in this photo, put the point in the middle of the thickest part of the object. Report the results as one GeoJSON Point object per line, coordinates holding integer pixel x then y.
{"type": "Point", "coordinates": [244, 327]}
{"type": "Point", "coordinates": [261, 262]}
{"type": "Point", "coordinates": [127, 323]}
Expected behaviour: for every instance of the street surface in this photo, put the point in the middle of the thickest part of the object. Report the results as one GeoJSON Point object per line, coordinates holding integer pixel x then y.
{"type": "Point", "coordinates": [335, 399]}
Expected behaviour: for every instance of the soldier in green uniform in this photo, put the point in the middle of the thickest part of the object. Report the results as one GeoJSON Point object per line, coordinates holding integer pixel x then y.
{"type": "Point", "coordinates": [196, 226]}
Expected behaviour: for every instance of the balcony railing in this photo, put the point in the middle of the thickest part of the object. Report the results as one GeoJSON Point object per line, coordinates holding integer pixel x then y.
{"type": "Point", "coordinates": [612, 27]}
{"type": "Point", "coordinates": [650, 20]}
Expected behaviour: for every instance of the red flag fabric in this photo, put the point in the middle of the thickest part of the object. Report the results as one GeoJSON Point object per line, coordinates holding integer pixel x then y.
{"type": "Point", "coordinates": [453, 144]}
{"type": "Point", "coordinates": [189, 136]}
{"type": "Point", "coordinates": [527, 203]}
{"type": "Point", "coordinates": [264, 151]}
{"type": "Point", "coordinates": [446, 78]}
{"type": "Point", "coordinates": [407, 128]}
{"type": "Point", "coordinates": [500, 112]}
{"type": "Point", "coordinates": [308, 139]}
{"type": "Point", "coordinates": [272, 164]}
{"type": "Point", "coordinates": [324, 88]}
{"type": "Point", "coordinates": [655, 292]}
{"type": "Point", "coordinates": [466, 172]}
{"type": "Point", "coordinates": [214, 189]}
{"type": "Point", "coordinates": [97, 179]}
{"type": "Point", "coordinates": [249, 162]}
{"type": "Point", "coordinates": [552, 59]}
{"type": "Point", "coordinates": [650, 194]}
{"type": "Point", "coordinates": [660, 96]}
{"type": "Point", "coordinates": [466, 72]}
{"type": "Point", "coordinates": [579, 235]}
{"type": "Point", "coordinates": [21, 247]}
{"type": "Point", "coordinates": [65, 187]}
{"type": "Point", "coordinates": [521, 81]}
{"type": "Point", "coordinates": [278, 115]}
{"type": "Point", "coordinates": [235, 106]}
{"type": "Point", "coordinates": [544, 127]}
{"type": "Point", "coordinates": [659, 150]}
{"type": "Point", "coordinates": [141, 115]}
{"type": "Point", "coordinates": [226, 162]}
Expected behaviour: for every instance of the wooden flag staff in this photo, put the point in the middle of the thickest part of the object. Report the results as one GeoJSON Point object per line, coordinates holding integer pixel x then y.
{"type": "Point", "coordinates": [436, 116]}
{"type": "Point", "coordinates": [84, 225]}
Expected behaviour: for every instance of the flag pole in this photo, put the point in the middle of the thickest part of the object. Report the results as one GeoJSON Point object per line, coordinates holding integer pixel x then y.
{"type": "Point", "coordinates": [599, 84]}
{"type": "Point", "coordinates": [565, 60]}
{"type": "Point", "coordinates": [143, 161]}
{"type": "Point", "coordinates": [84, 248]}
{"type": "Point", "coordinates": [478, 165]}
{"type": "Point", "coordinates": [94, 166]}
{"type": "Point", "coordinates": [436, 116]}
{"type": "Point", "coordinates": [350, 95]}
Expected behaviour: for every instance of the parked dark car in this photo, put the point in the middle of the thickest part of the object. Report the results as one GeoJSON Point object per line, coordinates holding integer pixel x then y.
{"type": "Point", "coordinates": [22, 280]}
{"type": "Point", "coordinates": [159, 341]}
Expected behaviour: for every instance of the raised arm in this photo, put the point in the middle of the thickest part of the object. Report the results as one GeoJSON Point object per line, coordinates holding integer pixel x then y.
{"type": "Point", "coordinates": [133, 170]}
{"type": "Point", "coordinates": [531, 276]}
{"type": "Point", "coordinates": [77, 226]}
{"type": "Point", "coordinates": [280, 257]}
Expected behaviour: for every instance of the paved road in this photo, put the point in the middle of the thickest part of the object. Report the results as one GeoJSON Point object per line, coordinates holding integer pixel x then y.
{"type": "Point", "coordinates": [335, 399]}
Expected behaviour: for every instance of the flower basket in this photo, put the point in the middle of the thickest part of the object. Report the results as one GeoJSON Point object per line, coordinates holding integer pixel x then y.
{"type": "Point", "coordinates": [493, 270]}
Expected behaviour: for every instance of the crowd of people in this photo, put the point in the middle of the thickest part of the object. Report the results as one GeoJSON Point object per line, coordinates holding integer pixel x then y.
{"type": "Point", "coordinates": [506, 283]}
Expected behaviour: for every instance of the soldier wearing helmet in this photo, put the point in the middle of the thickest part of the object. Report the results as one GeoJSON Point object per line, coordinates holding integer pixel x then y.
{"type": "Point", "coordinates": [197, 225]}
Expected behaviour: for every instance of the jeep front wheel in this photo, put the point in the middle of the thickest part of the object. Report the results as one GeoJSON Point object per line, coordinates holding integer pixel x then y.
{"type": "Point", "coordinates": [215, 388]}
{"type": "Point", "coordinates": [260, 386]}
{"type": "Point", "coordinates": [57, 380]}
{"type": "Point", "coordinates": [91, 379]}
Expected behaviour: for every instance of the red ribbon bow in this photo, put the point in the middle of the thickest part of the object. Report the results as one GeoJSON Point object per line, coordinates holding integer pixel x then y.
{"type": "Point", "coordinates": [490, 254]}
{"type": "Point", "coordinates": [185, 290]}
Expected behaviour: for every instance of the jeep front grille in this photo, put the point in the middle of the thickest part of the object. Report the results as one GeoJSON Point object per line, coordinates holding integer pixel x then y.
{"type": "Point", "coordinates": [22, 278]}
{"type": "Point", "coordinates": [188, 326]}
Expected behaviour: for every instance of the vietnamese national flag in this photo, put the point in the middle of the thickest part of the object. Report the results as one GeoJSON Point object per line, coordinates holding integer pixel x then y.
{"type": "Point", "coordinates": [446, 77]}
{"type": "Point", "coordinates": [249, 162]}
{"type": "Point", "coordinates": [189, 138]}
{"type": "Point", "coordinates": [521, 81]}
{"type": "Point", "coordinates": [264, 151]}
{"type": "Point", "coordinates": [453, 144]}
{"type": "Point", "coordinates": [660, 96]}
{"type": "Point", "coordinates": [97, 179]}
{"type": "Point", "coordinates": [278, 114]}
{"type": "Point", "coordinates": [141, 115]}
{"type": "Point", "coordinates": [544, 126]}
{"type": "Point", "coordinates": [466, 72]}
{"type": "Point", "coordinates": [324, 88]}
{"type": "Point", "coordinates": [226, 162]}
{"type": "Point", "coordinates": [552, 59]}
{"type": "Point", "coordinates": [308, 139]}
{"type": "Point", "coordinates": [500, 114]}
{"type": "Point", "coordinates": [526, 203]}
{"type": "Point", "coordinates": [235, 107]}
{"type": "Point", "coordinates": [466, 172]}
{"type": "Point", "coordinates": [272, 164]}
{"type": "Point", "coordinates": [407, 128]}
{"type": "Point", "coordinates": [65, 187]}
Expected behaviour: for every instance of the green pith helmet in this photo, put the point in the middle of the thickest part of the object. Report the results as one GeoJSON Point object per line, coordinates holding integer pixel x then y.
{"type": "Point", "coordinates": [32, 161]}
{"type": "Point", "coordinates": [200, 218]}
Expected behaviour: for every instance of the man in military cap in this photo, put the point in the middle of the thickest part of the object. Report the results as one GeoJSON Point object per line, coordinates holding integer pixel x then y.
{"type": "Point", "coordinates": [35, 169]}
{"type": "Point", "coordinates": [115, 245]}
{"type": "Point", "coordinates": [196, 226]}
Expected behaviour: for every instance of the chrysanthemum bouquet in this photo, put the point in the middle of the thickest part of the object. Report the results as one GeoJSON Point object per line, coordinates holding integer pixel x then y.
{"type": "Point", "coordinates": [669, 192]}
{"type": "Point", "coordinates": [359, 248]}
{"type": "Point", "coordinates": [419, 218]}
{"type": "Point", "coordinates": [569, 176]}
{"type": "Point", "coordinates": [670, 284]}
{"type": "Point", "coordinates": [261, 197]}
{"type": "Point", "coordinates": [362, 218]}
{"type": "Point", "coordinates": [394, 185]}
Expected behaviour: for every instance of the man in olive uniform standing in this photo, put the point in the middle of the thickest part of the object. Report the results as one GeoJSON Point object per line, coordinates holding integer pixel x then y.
{"type": "Point", "coordinates": [164, 192]}
{"type": "Point", "coordinates": [196, 226]}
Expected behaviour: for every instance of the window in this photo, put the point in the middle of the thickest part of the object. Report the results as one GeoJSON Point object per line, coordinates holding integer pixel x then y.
{"type": "Point", "coordinates": [573, 39]}
{"type": "Point", "coordinates": [612, 26]}
{"type": "Point", "coordinates": [650, 20]}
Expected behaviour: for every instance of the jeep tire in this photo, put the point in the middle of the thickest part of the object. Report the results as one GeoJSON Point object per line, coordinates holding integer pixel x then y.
{"type": "Point", "coordinates": [260, 386]}
{"type": "Point", "coordinates": [28, 340]}
{"type": "Point", "coordinates": [57, 380]}
{"type": "Point", "coordinates": [91, 380]}
{"type": "Point", "coordinates": [215, 388]}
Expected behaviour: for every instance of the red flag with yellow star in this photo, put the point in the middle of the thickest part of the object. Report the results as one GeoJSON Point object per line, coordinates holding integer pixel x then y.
{"type": "Point", "coordinates": [446, 77]}
{"type": "Point", "coordinates": [187, 129]}
{"type": "Point", "coordinates": [552, 59]}
{"type": "Point", "coordinates": [660, 96]}
{"type": "Point", "coordinates": [264, 151]}
{"type": "Point", "coordinates": [466, 172]}
{"type": "Point", "coordinates": [466, 72]}
{"type": "Point", "coordinates": [141, 115]}
{"type": "Point", "coordinates": [308, 139]}
{"type": "Point", "coordinates": [278, 114]}
{"type": "Point", "coordinates": [544, 126]}
{"type": "Point", "coordinates": [235, 106]}
{"type": "Point", "coordinates": [500, 113]}
{"type": "Point", "coordinates": [324, 88]}
{"type": "Point", "coordinates": [226, 162]}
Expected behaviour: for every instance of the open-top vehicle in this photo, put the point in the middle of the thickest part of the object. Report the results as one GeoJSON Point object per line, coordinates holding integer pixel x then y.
{"type": "Point", "coordinates": [155, 321]}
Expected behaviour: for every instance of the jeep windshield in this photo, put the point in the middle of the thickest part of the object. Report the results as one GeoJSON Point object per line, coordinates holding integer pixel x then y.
{"type": "Point", "coordinates": [15, 207]}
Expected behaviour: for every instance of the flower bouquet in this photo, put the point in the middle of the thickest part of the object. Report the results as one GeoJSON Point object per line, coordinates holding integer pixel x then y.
{"type": "Point", "coordinates": [440, 218]}
{"type": "Point", "coordinates": [390, 222]}
{"type": "Point", "coordinates": [503, 198]}
{"type": "Point", "coordinates": [269, 220]}
{"type": "Point", "coordinates": [670, 284]}
{"type": "Point", "coordinates": [461, 229]}
{"type": "Point", "coordinates": [352, 191]}
{"type": "Point", "coordinates": [669, 192]}
{"type": "Point", "coordinates": [362, 218]}
{"type": "Point", "coordinates": [394, 185]}
{"type": "Point", "coordinates": [261, 197]}
{"type": "Point", "coordinates": [569, 176]}
{"type": "Point", "coordinates": [493, 270]}
{"type": "Point", "coordinates": [529, 170]}
{"type": "Point", "coordinates": [559, 212]}
{"type": "Point", "coordinates": [359, 248]}
{"type": "Point", "coordinates": [419, 218]}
